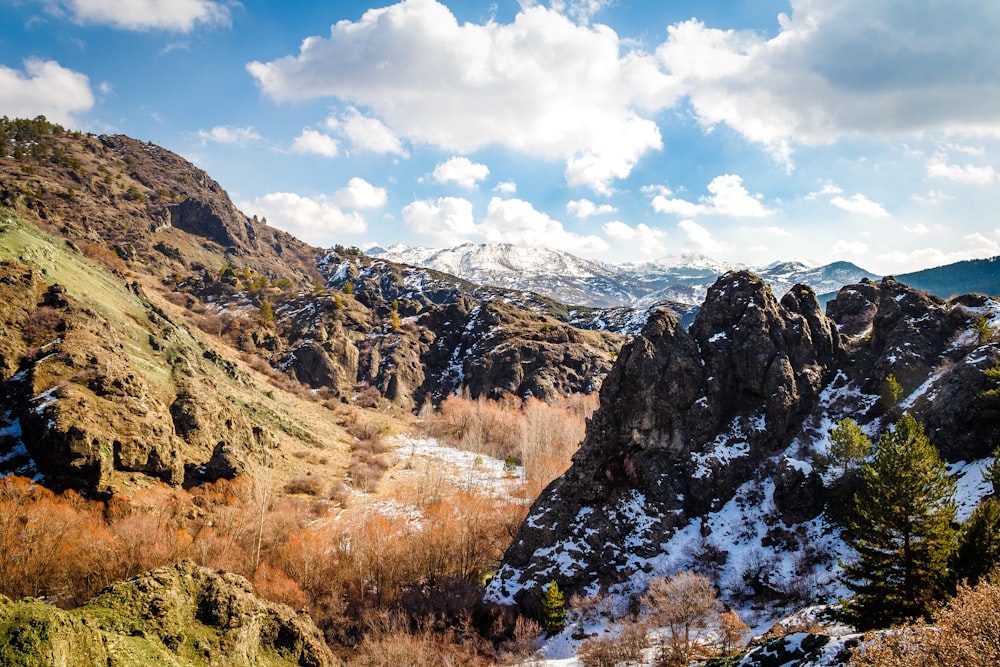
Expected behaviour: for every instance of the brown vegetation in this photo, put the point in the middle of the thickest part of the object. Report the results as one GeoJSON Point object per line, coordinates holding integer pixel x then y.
{"type": "Point", "coordinates": [541, 437]}
{"type": "Point", "coordinates": [966, 634]}
{"type": "Point", "coordinates": [425, 564]}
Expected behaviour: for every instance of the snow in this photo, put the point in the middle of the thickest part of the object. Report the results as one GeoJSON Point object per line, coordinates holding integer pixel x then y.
{"type": "Point", "coordinates": [717, 337]}
{"type": "Point", "coordinates": [467, 470]}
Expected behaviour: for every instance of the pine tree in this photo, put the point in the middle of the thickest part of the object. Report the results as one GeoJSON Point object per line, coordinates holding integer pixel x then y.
{"type": "Point", "coordinates": [266, 312]}
{"type": "Point", "coordinates": [901, 530]}
{"type": "Point", "coordinates": [978, 549]}
{"type": "Point", "coordinates": [848, 446]}
{"type": "Point", "coordinates": [553, 611]}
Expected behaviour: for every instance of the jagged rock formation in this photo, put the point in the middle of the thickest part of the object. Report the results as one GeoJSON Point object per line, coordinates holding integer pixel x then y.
{"type": "Point", "coordinates": [451, 336]}
{"type": "Point", "coordinates": [179, 615]}
{"type": "Point", "coordinates": [701, 453]}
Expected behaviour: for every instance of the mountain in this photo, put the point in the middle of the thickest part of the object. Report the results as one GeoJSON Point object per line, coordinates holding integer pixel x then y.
{"type": "Point", "coordinates": [683, 278]}
{"type": "Point", "coordinates": [705, 452]}
{"type": "Point", "coordinates": [976, 275]}
{"type": "Point", "coordinates": [141, 313]}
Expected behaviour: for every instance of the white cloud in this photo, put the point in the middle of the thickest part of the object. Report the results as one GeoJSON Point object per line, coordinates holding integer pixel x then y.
{"type": "Point", "coordinates": [45, 88]}
{"type": "Point", "coordinates": [932, 197]}
{"type": "Point", "coordinates": [369, 134]}
{"type": "Point", "coordinates": [360, 194]}
{"type": "Point", "coordinates": [315, 220]}
{"type": "Point", "coordinates": [313, 141]}
{"type": "Point", "coordinates": [929, 257]}
{"type": "Point", "coordinates": [542, 85]}
{"type": "Point", "coordinates": [919, 229]}
{"type": "Point", "coordinates": [841, 69]}
{"type": "Point", "coordinates": [142, 15]}
{"type": "Point", "coordinates": [581, 10]}
{"type": "Point", "coordinates": [225, 134]}
{"type": "Point", "coordinates": [584, 208]}
{"type": "Point", "coordinates": [506, 187]}
{"type": "Point", "coordinates": [938, 167]}
{"type": "Point", "coordinates": [829, 189]}
{"type": "Point", "coordinates": [516, 221]}
{"type": "Point", "coordinates": [772, 230]}
{"type": "Point", "coordinates": [450, 219]}
{"type": "Point", "coordinates": [858, 203]}
{"type": "Point", "coordinates": [700, 239]}
{"type": "Point", "coordinates": [728, 197]}
{"type": "Point", "coordinates": [461, 170]}
{"type": "Point", "coordinates": [648, 240]}
{"type": "Point", "coordinates": [843, 247]}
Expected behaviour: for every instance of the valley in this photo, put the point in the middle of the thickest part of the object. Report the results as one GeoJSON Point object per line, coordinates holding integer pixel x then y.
{"type": "Point", "coordinates": [400, 456]}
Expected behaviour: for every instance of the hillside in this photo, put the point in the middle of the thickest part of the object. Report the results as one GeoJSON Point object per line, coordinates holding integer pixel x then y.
{"type": "Point", "coordinates": [976, 275]}
{"type": "Point", "coordinates": [706, 451]}
{"type": "Point", "coordinates": [131, 279]}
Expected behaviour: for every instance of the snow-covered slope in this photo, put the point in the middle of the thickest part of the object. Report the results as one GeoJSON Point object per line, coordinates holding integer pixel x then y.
{"type": "Point", "coordinates": [683, 278]}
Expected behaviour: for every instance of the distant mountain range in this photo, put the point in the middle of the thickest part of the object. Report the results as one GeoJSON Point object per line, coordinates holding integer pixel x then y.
{"type": "Point", "coordinates": [683, 278]}
{"type": "Point", "coordinates": [559, 275]}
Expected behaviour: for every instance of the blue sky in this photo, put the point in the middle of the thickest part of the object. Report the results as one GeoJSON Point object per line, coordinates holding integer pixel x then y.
{"type": "Point", "coordinates": [623, 130]}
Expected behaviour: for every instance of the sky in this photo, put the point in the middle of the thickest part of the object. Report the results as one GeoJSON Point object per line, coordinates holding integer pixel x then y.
{"type": "Point", "coordinates": [750, 131]}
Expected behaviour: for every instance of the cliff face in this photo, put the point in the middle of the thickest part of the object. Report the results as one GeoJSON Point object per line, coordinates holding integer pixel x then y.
{"type": "Point", "coordinates": [705, 439]}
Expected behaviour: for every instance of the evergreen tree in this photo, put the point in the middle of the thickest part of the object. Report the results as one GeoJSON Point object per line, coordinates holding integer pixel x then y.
{"type": "Point", "coordinates": [901, 530]}
{"type": "Point", "coordinates": [848, 446]}
{"type": "Point", "coordinates": [266, 312]}
{"type": "Point", "coordinates": [978, 549]}
{"type": "Point", "coordinates": [553, 611]}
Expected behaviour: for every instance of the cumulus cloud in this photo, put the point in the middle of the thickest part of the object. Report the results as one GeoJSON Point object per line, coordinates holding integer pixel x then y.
{"type": "Point", "coordinates": [648, 240]}
{"type": "Point", "coordinates": [368, 134]}
{"type": "Point", "coordinates": [317, 143]}
{"type": "Point", "coordinates": [360, 194]}
{"type": "Point", "coordinates": [543, 84]}
{"type": "Point", "coordinates": [317, 220]}
{"type": "Point", "coordinates": [516, 221]}
{"type": "Point", "coordinates": [506, 187]}
{"type": "Point", "coordinates": [584, 208]}
{"type": "Point", "coordinates": [728, 197]}
{"type": "Point", "coordinates": [700, 239]}
{"type": "Point", "coordinates": [461, 170]}
{"type": "Point", "coordinates": [449, 220]}
{"type": "Point", "coordinates": [843, 68]}
{"type": "Point", "coordinates": [843, 247]}
{"type": "Point", "coordinates": [225, 134]}
{"type": "Point", "coordinates": [938, 167]}
{"type": "Point", "coordinates": [858, 203]}
{"type": "Point", "coordinates": [929, 257]}
{"type": "Point", "coordinates": [44, 88]}
{"type": "Point", "coordinates": [144, 15]}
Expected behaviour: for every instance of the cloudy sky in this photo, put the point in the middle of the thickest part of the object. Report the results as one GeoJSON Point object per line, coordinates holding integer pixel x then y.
{"type": "Point", "coordinates": [622, 130]}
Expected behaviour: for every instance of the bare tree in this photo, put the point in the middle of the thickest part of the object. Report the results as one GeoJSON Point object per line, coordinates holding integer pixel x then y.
{"type": "Point", "coordinates": [686, 604]}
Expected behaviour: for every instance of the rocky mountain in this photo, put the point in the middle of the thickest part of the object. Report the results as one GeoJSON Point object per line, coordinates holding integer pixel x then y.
{"type": "Point", "coordinates": [180, 615]}
{"type": "Point", "coordinates": [561, 276]}
{"type": "Point", "coordinates": [703, 453]}
{"type": "Point", "coordinates": [141, 311]}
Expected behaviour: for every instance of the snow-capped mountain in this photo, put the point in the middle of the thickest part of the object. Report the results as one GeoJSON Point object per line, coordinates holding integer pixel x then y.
{"type": "Point", "coordinates": [683, 278]}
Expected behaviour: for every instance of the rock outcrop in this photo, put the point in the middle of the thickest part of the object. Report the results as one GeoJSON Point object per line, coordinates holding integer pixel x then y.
{"type": "Point", "coordinates": [180, 615]}
{"type": "Point", "coordinates": [702, 452]}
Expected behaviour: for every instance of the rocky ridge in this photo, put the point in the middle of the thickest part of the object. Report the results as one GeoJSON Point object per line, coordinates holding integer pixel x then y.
{"type": "Point", "coordinates": [702, 453]}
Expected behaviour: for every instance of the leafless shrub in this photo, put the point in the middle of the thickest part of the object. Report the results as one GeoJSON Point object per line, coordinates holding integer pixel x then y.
{"type": "Point", "coordinates": [311, 485]}
{"type": "Point", "coordinates": [624, 647]}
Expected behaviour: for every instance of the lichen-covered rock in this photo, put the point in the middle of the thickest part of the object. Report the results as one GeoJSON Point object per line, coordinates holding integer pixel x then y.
{"type": "Point", "coordinates": [179, 616]}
